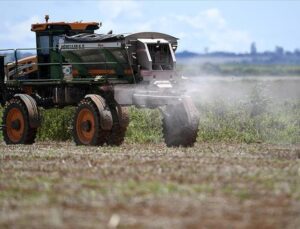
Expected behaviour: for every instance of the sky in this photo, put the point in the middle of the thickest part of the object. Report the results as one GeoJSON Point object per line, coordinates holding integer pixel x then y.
{"type": "Point", "coordinates": [212, 25]}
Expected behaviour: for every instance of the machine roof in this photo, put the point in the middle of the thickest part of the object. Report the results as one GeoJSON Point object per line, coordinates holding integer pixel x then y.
{"type": "Point", "coordinates": [86, 37]}
{"type": "Point", "coordinates": [74, 25]}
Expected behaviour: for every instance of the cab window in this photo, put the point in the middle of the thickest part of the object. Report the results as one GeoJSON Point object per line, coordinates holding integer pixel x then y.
{"type": "Point", "coordinates": [44, 45]}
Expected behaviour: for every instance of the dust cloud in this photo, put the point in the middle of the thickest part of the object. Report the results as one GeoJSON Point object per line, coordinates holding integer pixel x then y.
{"type": "Point", "coordinates": [240, 89]}
{"type": "Point", "coordinates": [246, 108]}
{"type": "Point", "coordinates": [205, 88]}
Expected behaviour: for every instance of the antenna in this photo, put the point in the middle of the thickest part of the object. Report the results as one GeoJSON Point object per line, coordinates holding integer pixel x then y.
{"type": "Point", "coordinates": [47, 18]}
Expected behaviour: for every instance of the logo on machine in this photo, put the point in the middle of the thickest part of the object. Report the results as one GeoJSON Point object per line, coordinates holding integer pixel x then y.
{"type": "Point", "coordinates": [72, 46]}
{"type": "Point", "coordinates": [67, 71]}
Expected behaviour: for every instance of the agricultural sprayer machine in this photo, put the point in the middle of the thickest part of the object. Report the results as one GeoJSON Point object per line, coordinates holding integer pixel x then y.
{"type": "Point", "coordinates": [100, 74]}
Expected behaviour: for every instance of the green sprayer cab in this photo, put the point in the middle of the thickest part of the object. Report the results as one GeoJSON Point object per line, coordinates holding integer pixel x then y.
{"type": "Point", "coordinates": [100, 74]}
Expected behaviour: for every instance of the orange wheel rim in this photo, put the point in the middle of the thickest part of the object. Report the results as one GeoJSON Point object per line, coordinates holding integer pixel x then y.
{"type": "Point", "coordinates": [85, 126]}
{"type": "Point", "coordinates": [15, 125]}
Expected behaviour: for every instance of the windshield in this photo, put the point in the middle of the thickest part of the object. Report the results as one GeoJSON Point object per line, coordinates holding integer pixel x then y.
{"type": "Point", "coordinates": [161, 56]}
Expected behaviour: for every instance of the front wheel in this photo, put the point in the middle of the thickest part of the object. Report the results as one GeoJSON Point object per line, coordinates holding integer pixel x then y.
{"type": "Point", "coordinates": [17, 128]}
{"type": "Point", "coordinates": [180, 124]}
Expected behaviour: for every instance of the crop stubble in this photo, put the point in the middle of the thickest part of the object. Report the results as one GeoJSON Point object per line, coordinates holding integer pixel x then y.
{"type": "Point", "coordinates": [59, 185]}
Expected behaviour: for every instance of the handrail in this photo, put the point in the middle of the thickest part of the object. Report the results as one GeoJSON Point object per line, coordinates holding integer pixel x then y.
{"type": "Point", "coordinates": [71, 63]}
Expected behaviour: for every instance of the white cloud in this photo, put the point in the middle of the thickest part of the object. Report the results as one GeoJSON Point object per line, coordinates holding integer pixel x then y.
{"type": "Point", "coordinates": [20, 33]}
{"type": "Point", "coordinates": [122, 8]}
{"type": "Point", "coordinates": [204, 19]}
{"type": "Point", "coordinates": [210, 25]}
{"type": "Point", "coordinates": [214, 16]}
{"type": "Point", "coordinates": [120, 16]}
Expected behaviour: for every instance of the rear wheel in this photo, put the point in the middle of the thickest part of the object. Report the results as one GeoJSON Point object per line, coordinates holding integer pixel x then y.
{"type": "Point", "coordinates": [86, 125]}
{"type": "Point", "coordinates": [180, 124]}
{"type": "Point", "coordinates": [17, 129]}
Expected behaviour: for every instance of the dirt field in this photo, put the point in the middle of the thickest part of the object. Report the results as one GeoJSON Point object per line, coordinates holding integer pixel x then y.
{"type": "Point", "coordinates": [59, 185]}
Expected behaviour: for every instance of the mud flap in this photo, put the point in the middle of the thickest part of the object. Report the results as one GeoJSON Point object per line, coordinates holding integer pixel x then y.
{"type": "Point", "coordinates": [191, 112]}
{"type": "Point", "coordinates": [32, 108]}
{"type": "Point", "coordinates": [106, 120]}
{"type": "Point", "coordinates": [123, 119]}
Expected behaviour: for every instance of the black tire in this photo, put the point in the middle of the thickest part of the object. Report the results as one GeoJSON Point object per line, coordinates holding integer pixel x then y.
{"type": "Point", "coordinates": [121, 120]}
{"type": "Point", "coordinates": [16, 124]}
{"type": "Point", "coordinates": [180, 124]}
{"type": "Point", "coordinates": [86, 125]}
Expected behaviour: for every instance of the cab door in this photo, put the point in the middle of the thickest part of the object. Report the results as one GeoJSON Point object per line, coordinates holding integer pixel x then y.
{"type": "Point", "coordinates": [43, 54]}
